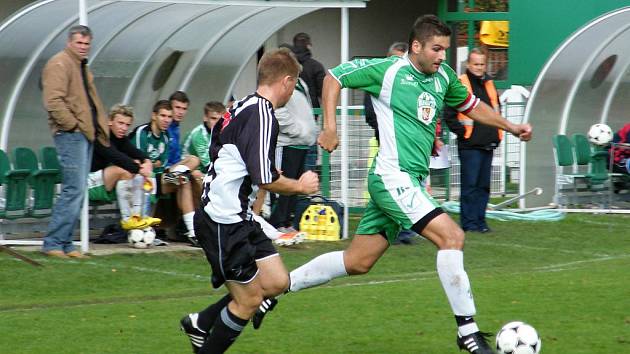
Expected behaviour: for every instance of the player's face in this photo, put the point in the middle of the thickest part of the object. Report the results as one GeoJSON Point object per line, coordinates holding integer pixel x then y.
{"type": "Point", "coordinates": [179, 110]}
{"type": "Point", "coordinates": [428, 57]}
{"type": "Point", "coordinates": [162, 119]}
{"type": "Point", "coordinates": [212, 117]}
{"type": "Point", "coordinates": [120, 125]}
{"type": "Point", "coordinates": [477, 64]}
{"type": "Point", "coordinates": [80, 44]}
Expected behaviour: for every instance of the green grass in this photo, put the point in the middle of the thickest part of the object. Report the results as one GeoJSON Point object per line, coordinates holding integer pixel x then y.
{"type": "Point", "coordinates": [569, 279]}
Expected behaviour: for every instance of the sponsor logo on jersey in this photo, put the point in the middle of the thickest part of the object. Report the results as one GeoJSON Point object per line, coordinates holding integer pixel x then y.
{"type": "Point", "coordinates": [426, 108]}
{"type": "Point", "coordinates": [408, 80]}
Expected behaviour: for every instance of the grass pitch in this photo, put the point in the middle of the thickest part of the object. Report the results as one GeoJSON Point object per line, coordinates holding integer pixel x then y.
{"type": "Point", "coordinates": [568, 279]}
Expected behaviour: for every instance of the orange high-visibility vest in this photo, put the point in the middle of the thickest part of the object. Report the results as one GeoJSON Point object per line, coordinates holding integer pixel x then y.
{"type": "Point", "coordinates": [494, 102]}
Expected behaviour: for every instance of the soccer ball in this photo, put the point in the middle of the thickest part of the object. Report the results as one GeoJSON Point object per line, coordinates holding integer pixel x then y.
{"type": "Point", "coordinates": [141, 238]}
{"type": "Point", "coordinates": [600, 134]}
{"type": "Point", "coordinates": [518, 338]}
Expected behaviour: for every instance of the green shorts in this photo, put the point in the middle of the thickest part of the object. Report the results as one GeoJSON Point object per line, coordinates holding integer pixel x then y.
{"type": "Point", "coordinates": [397, 200]}
{"type": "Point", "coordinates": [96, 188]}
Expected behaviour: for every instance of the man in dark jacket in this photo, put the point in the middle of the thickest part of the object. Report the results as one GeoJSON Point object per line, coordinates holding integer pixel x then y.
{"type": "Point", "coordinates": [312, 71]}
{"type": "Point", "coordinates": [121, 166]}
{"type": "Point", "coordinates": [475, 145]}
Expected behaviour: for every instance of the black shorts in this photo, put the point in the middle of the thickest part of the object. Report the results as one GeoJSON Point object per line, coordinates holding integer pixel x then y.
{"type": "Point", "coordinates": [232, 249]}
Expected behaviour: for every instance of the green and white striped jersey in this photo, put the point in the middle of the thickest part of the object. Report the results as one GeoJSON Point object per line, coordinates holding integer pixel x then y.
{"type": "Point", "coordinates": [407, 103]}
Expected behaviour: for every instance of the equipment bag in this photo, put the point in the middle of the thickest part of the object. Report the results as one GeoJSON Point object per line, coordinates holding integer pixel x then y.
{"type": "Point", "coordinates": [319, 217]}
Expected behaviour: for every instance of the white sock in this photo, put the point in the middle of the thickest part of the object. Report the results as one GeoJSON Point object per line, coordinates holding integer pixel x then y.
{"type": "Point", "coordinates": [123, 195]}
{"type": "Point", "coordinates": [267, 228]}
{"type": "Point", "coordinates": [319, 270]}
{"type": "Point", "coordinates": [137, 195]}
{"type": "Point", "coordinates": [188, 221]}
{"type": "Point", "coordinates": [450, 267]}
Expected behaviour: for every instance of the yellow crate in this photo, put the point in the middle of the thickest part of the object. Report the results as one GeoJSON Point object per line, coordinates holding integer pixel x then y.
{"type": "Point", "coordinates": [320, 222]}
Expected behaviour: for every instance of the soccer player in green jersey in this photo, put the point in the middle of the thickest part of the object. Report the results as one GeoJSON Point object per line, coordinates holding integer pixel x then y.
{"type": "Point", "coordinates": [197, 141]}
{"type": "Point", "coordinates": [409, 93]}
{"type": "Point", "coordinates": [153, 139]}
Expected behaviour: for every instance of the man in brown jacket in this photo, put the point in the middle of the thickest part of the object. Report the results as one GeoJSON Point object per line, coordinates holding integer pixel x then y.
{"type": "Point", "coordinates": [76, 117]}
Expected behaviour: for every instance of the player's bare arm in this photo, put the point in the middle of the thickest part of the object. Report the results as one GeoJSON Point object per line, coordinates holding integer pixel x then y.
{"type": "Point", "coordinates": [328, 139]}
{"type": "Point", "coordinates": [483, 113]}
{"type": "Point", "coordinates": [308, 183]}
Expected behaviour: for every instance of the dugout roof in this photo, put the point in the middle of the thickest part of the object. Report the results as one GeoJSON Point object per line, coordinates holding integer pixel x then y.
{"type": "Point", "coordinates": [142, 50]}
{"type": "Point", "coordinates": [586, 81]}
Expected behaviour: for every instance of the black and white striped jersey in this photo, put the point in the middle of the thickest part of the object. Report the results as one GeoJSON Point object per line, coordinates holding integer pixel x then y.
{"type": "Point", "coordinates": [242, 155]}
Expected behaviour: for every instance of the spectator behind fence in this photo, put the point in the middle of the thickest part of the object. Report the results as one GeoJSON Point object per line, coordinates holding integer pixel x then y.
{"type": "Point", "coordinates": [153, 140]}
{"type": "Point", "coordinates": [77, 118]}
{"type": "Point", "coordinates": [475, 144]}
{"type": "Point", "coordinates": [297, 133]}
{"type": "Point", "coordinates": [313, 71]}
{"type": "Point", "coordinates": [123, 167]}
{"type": "Point", "coordinates": [313, 74]}
{"type": "Point", "coordinates": [197, 141]}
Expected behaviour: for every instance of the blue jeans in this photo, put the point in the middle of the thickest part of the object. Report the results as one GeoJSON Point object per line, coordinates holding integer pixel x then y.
{"type": "Point", "coordinates": [476, 169]}
{"type": "Point", "coordinates": [75, 156]}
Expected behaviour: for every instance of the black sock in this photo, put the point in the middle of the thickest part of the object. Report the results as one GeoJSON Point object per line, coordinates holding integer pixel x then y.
{"type": "Point", "coordinates": [466, 325]}
{"type": "Point", "coordinates": [209, 315]}
{"type": "Point", "coordinates": [464, 320]}
{"type": "Point", "coordinates": [226, 329]}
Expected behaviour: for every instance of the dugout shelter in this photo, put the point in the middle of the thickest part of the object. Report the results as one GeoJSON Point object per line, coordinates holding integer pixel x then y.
{"type": "Point", "coordinates": [584, 82]}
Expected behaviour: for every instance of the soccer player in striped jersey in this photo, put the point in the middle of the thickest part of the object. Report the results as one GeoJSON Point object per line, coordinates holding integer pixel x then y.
{"type": "Point", "coordinates": [409, 93]}
{"type": "Point", "coordinates": [242, 154]}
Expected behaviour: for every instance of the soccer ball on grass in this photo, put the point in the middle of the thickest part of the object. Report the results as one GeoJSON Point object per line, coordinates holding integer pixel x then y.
{"type": "Point", "coordinates": [518, 338]}
{"type": "Point", "coordinates": [600, 134]}
{"type": "Point", "coordinates": [141, 238]}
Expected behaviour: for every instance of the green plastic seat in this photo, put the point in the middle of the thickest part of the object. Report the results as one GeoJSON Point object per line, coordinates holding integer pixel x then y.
{"type": "Point", "coordinates": [50, 160]}
{"type": "Point", "coordinates": [566, 173]}
{"type": "Point", "coordinates": [42, 181]}
{"type": "Point", "coordinates": [15, 188]}
{"type": "Point", "coordinates": [563, 150]}
{"type": "Point", "coordinates": [597, 159]}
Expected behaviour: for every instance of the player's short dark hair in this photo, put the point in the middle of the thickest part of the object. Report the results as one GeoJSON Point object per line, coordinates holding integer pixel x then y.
{"type": "Point", "coordinates": [122, 109]}
{"type": "Point", "coordinates": [79, 29]}
{"type": "Point", "coordinates": [427, 27]}
{"type": "Point", "coordinates": [213, 106]}
{"type": "Point", "coordinates": [180, 96]}
{"type": "Point", "coordinates": [276, 64]}
{"type": "Point", "coordinates": [301, 40]}
{"type": "Point", "coordinates": [162, 104]}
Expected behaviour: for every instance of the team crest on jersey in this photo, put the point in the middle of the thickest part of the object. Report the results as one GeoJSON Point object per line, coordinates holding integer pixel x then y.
{"type": "Point", "coordinates": [426, 108]}
{"type": "Point", "coordinates": [227, 118]}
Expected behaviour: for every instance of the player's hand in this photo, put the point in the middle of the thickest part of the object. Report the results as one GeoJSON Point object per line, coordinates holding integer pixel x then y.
{"type": "Point", "coordinates": [437, 146]}
{"type": "Point", "coordinates": [523, 132]}
{"type": "Point", "coordinates": [145, 170]}
{"type": "Point", "coordinates": [328, 140]}
{"type": "Point", "coordinates": [309, 182]}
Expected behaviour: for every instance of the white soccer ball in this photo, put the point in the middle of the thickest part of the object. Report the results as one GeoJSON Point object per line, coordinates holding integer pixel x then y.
{"type": "Point", "coordinates": [600, 134]}
{"type": "Point", "coordinates": [518, 338]}
{"type": "Point", "coordinates": [141, 238]}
